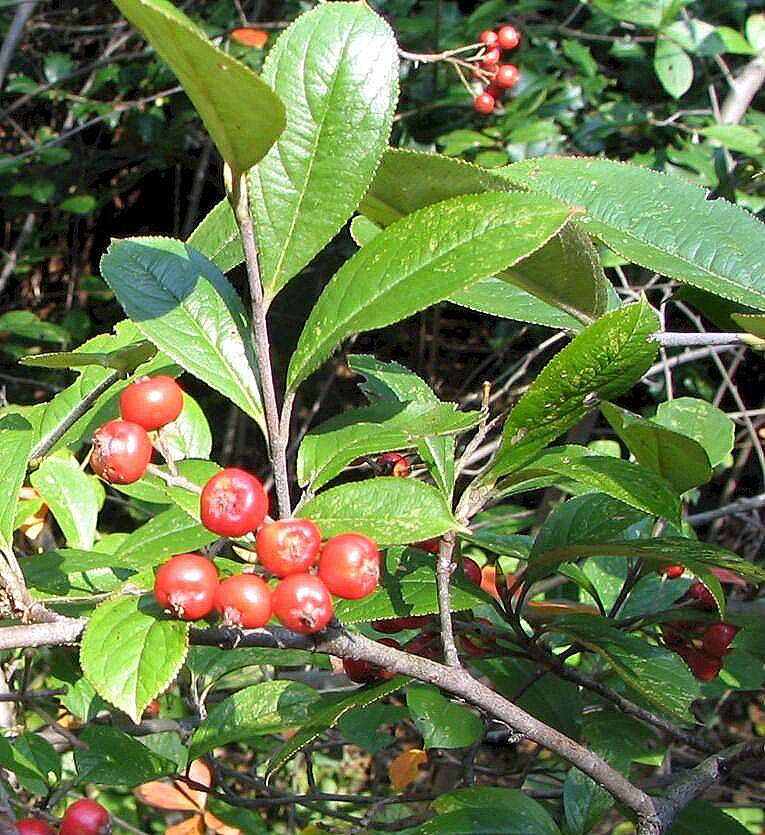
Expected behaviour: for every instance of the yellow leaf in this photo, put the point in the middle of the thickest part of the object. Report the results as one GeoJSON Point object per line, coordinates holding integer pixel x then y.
{"type": "Point", "coordinates": [405, 768]}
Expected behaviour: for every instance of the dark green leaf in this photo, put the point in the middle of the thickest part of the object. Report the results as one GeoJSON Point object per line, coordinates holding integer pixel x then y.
{"type": "Point", "coordinates": [699, 818]}
{"type": "Point", "coordinates": [362, 726]}
{"type": "Point", "coordinates": [442, 723]}
{"type": "Point", "coordinates": [518, 813]}
{"type": "Point", "coordinates": [265, 708]}
{"type": "Point", "coordinates": [115, 759]}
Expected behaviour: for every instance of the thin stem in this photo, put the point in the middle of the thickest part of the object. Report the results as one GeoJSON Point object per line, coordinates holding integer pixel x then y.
{"type": "Point", "coordinates": [47, 443]}
{"type": "Point", "coordinates": [443, 576]}
{"type": "Point", "coordinates": [277, 442]}
{"type": "Point", "coordinates": [739, 506]}
{"type": "Point", "coordinates": [674, 340]}
{"type": "Point", "coordinates": [173, 480]}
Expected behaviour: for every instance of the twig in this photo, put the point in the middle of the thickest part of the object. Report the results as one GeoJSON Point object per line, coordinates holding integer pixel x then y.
{"type": "Point", "coordinates": [47, 443]}
{"type": "Point", "coordinates": [12, 37]}
{"type": "Point", "coordinates": [239, 199]}
{"type": "Point", "coordinates": [743, 89]}
{"type": "Point", "coordinates": [444, 570]}
{"type": "Point", "coordinates": [676, 340]}
{"type": "Point", "coordinates": [732, 509]}
{"type": "Point", "coordinates": [173, 480]}
{"type": "Point", "coordinates": [11, 259]}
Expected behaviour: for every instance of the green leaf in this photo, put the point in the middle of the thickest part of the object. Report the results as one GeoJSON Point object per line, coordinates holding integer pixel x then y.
{"type": "Point", "coordinates": [326, 450]}
{"type": "Point", "coordinates": [117, 760]}
{"type": "Point", "coordinates": [392, 511]}
{"type": "Point", "coordinates": [409, 180]}
{"type": "Point", "coordinates": [73, 497]}
{"type": "Point", "coordinates": [673, 67]}
{"type": "Point", "coordinates": [566, 273]}
{"type": "Point", "coordinates": [79, 204]}
{"type": "Point", "coordinates": [650, 13]}
{"type": "Point", "coordinates": [702, 421]}
{"type": "Point", "coordinates": [660, 222]}
{"type": "Point", "coordinates": [217, 237]}
{"type": "Point", "coordinates": [607, 358]}
{"type": "Point", "coordinates": [733, 41]}
{"type": "Point", "coordinates": [211, 663]}
{"type": "Point", "coordinates": [265, 708]}
{"type": "Point", "coordinates": [325, 717]}
{"type": "Point", "coordinates": [420, 260]}
{"type": "Point", "coordinates": [16, 438]}
{"type": "Point", "coordinates": [130, 654]}
{"type": "Point", "coordinates": [33, 760]}
{"type": "Point", "coordinates": [171, 532]}
{"type": "Point", "coordinates": [122, 359]}
{"type": "Point", "coordinates": [658, 675]}
{"type": "Point", "coordinates": [700, 817]}
{"type": "Point", "coordinates": [442, 723]}
{"type": "Point", "coordinates": [362, 726]}
{"type": "Point", "coordinates": [520, 814]}
{"type": "Point", "coordinates": [336, 69]}
{"type": "Point", "coordinates": [68, 572]}
{"type": "Point", "coordinates": [678, 459]}
{"type": "Point", "coordinates": [500, 298]}
{"type": "Point", "coordinates": [735, 137]}
{"type": "Point", "coordinates": [27, 325]}
{"type": "Point", "coordinates": [188, 436]}
{"type": "Point", "coordinates": [412, 590]}
{"type": "Point", "coordinates": [241, 112]}
{"type": "Point", "coordinates": [755, 30]}
{"type": "Point", "coordinates": [187, 308]}
{"type": "Point", "coordinates": [155, 489]}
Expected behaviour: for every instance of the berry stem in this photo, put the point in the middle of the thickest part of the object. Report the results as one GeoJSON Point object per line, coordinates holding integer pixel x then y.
{"type": "Point", "coordinates": [433, 57]}
{"type": "Point", "coordinates": [238, 196]}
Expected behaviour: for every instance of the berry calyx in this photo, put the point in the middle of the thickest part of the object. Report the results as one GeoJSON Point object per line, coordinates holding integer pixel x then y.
{"type": "Point", "coordinates": [699, 592]}
{"type": "Point", "coordinates": [472, 570]}
{"type": "Point", "coordinates": [506, 76]}
{"type": "Point", "coordinates": [243, 600]}
{"type": "Point", "coordinates": [152, 402]}
{"type": "Point", "coordinates": [392, 625]}
{"type": "Point", "coordinates": [302, 603]}
{"type": "Point", "coordinates": [393, 464]}
{"type": "Point", "coordinates": [121, 452]}
{"type": "Point", "coordinates": [704, 666]}
{"type": "Point", "coordinates": [349, 565]}
{"type": "Point", "coordinates": [185, 586]}
{"type": "Point", "coordinates": [488, 38]}
{"type": "Point", "coordinates": [362, 672]}
{"type": "Point", "coordinates": [484, 103]}
{"type": "Point", "coordinates": [508, 37]}
{"type": "Point", "coordinates": [32, 826]}
{"type": "Point", "coordinates": [233, 503]}
{"type": "Point", "coordinates": [288, 546]}
{"type": "Point", "coordinates": [85, 817]}
{"type": "Point", "coordinates": [717, 638]}
{"type": "Point", "coordinates": [672, 571]}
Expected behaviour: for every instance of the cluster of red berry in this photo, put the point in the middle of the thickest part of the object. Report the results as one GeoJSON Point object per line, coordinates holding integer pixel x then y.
{"type": "Point", "coordinates": [188, 587]}
{"type": "Point", "coordinates": [500, 77]}
{"type": "Point", "coordinates": [702, 646]}
{"type": "Point", "coordinates": [83, 817]}
{"type": "Point", "coordinates": [122, 449]}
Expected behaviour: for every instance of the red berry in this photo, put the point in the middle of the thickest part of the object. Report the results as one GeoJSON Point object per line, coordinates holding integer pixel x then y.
{"type": "Point", "coordinates": [698, 591]}
{"type": "Point", "coordinates": [506, 76]}
{"type": "Point", "coordinates": [484, 103]}
{"type": "Point", "coordinates": [673, 637]}
{"type": "Point", "coordinates": [243, 600]}
{"type": "Point", "coordinates": [186, 585]}
{"type": "Point", "coordinates": [717, 638]}
{"type": "Point", "coordinates": [233, 503]}
{"type": "Point", "coordinates": [85, 817]}
{"type": "Point", "coordinates": [393, 463]}
{"type": "Point", "coordinates": [363, 672]}
{"type": "Point", "coordinates": [472, 570]}
{"type": "Point", "coordinates": [495, 92]}
{"type": "Point", "coordinates": [672, 571]}
{"type": "Point", "coordinates": [491, 58]}
{"type": "Point", "coordinates": [302, 603]}
{"type": "Point", "coordinates": [289, 546]}
{"type": "Point", "coordinates": [488, 38]}
{"type": "Point", "coordinates": [429, 545]}
{"type": "Point", "coordinates": [32, 826]}
{"type": "Point", "coordinates": [508, 37]}
{"type": "Point", "coordinates": [350, 565]}
{"type": "Point", "coordinates": [704, 667]}
{"type": "Point", "coordinates": [121, 452]}
{"type": "Point", "coordinates": [393, 625]}
{"type": "Point", "coordinates": [152, 402]}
